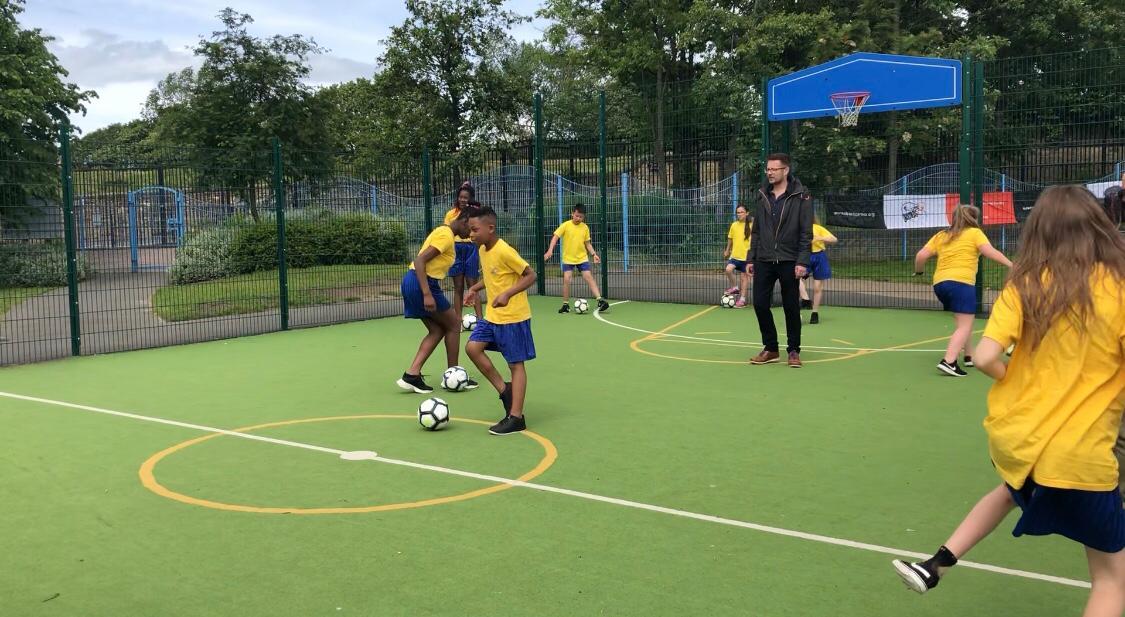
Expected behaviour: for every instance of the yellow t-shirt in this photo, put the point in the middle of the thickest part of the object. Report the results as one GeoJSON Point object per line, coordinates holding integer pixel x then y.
{"type": "Point", "coordinates": [957, 260]}
{"type": "Point", "coordinates": [820, 232]}
{"type": "Point", "coordinates": [441, 238]}
{"type": "Point", "coordinates": [452, 216]}
{"type": "Point", "coordinates": [739, 243]}
{"type": "Point", "coordinates": [502, 267]}
{"type": "Point", "coordinates": [573, 238]}
{"type": "Point", "coordinates": [1056, 414]}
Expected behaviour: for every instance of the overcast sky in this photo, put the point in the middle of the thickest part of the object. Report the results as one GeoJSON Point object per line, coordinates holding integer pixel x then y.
{"type": "Point", "coordinates": [121, 48]}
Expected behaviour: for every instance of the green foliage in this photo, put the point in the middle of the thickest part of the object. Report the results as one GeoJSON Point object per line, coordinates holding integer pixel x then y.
{"type": "Point", "coordinates": [24, 264]}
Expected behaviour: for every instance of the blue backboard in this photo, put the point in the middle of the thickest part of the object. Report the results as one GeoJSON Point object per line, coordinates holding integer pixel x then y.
{"type": "Point", "coordinates": [895, 83]}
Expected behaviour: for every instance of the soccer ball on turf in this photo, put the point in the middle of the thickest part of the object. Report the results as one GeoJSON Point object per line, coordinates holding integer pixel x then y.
{"type": "Point", "coordinates": [469, 321]}
{"type": "Point", "coordinates": [727, 301]}
{"type": "Point", "coordinates": [454, 379]}
{"type": "Point", "coordinates": [433, 414]}
{"type": "Point", "coordinates": [581, 306]}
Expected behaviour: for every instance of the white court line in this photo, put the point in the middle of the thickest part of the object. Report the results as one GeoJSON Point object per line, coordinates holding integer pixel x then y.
{"type": "Point", "coordinates": [570, 493]}
{"type": "Point", "coordinates": [599, 317]}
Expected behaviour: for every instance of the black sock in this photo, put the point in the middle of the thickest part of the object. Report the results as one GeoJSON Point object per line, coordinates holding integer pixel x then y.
{"type": "Point", "coordinates": [944, 558]}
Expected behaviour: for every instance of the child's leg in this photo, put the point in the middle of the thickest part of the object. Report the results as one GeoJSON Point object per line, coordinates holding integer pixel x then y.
{"type": "Point", "coordinates": [519, 387]}
{"type": "Point", "coordinates": [729, 271]}
{"type": "Point", "coordinates": [476, 305]}
{"type": "Point", "coordinates": [804, 292]}
{"type": "Point", "coordinates": [745, 284]}
{"type": "Point", "coordinates": [980, 521]}
{"type": "Point", "coordinates": [475, 351]}
{"type": "Point", "coordinates": [589, 278]}
{"type": "Point", "coordinates": [458, 291]}
{"type": "Point", "coordinates": [1107, 579]}
{"type": "Point", "coordinates": [969, 346]}
{"type": "Point", "coordinates": [451, 325]}
{"type": "Point", "coordinates": [961, 335]}
{"type": "Point", "coordinates": [566, 286]}
{"type": "Point", "coordinates": [434, 333]}
{"type": "Point", "coordinates": [817, 293]}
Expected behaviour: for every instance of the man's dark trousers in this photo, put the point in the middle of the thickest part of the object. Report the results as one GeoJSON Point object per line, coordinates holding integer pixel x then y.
{"type": "Point", "coordinates": [765, 275]}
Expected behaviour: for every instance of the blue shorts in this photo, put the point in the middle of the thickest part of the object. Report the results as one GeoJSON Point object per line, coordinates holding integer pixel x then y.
{"type": "Point", "coordinates": [582, 267]}
{"type": "Point", "coordinates": [957, 297]}
{"type": "Point", "coordinates": [413, 304]}
{"type": "Point", "coordinates": [819, 268]}
{"type": "Point", "coordinates": [1093, 518]}
{"type": "Point", "coordinates": [513, 340]}
{"type": "Point", "coordinates": [467, 261]}
{"type": "Point", "coordinates": [739, 264]}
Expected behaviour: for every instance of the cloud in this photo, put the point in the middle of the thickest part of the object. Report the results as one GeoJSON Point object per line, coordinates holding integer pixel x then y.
{"type": "Point", "coordinates": [332, 69]}
{"type": "Point", "coordinates": [117, 102]}
{"type": "Point", "coordinates": [103, 58]}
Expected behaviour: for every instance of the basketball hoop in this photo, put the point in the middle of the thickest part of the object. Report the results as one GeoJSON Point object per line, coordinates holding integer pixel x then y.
{"type": "Point", "coordinates": [847, 106]}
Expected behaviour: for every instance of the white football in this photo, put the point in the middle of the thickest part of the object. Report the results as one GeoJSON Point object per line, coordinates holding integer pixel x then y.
{"type": "Point", "coordinates": [728, 301]}
{"type": "Point", "coordinates": [581, 306]}
{"type": "Point", "coordinates": [454, 379]}
{"type": "Point", "coordinates": [433, 414]}
{"type": "Point", "coordinates": [469, 321]}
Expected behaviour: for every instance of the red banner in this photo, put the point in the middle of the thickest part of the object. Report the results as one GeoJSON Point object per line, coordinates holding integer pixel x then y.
{"type": "Point", "coordinates": [999, 208]}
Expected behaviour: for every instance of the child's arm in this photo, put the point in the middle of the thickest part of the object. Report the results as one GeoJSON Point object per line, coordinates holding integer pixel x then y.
{"type": "Point", "coordinates": [726, 251]}
{"type": "Point", "coordinates": [527, 279]}
{"type": "Point", "coordinates": [592, 253]}
{"type": "Point", "coordinates": [990, 252]}
{"type": "Point", "coordinates": [420, 273]}
{"type": "Point", "coordinates": [920, 260]}
{"type": "Point", "coordinates": [470, 298]}
{"type": "Point", "coordinates": [987, 359]}
{"type": "Point", "coordinates": [551, 248]}
{"type": "Point", "coordinates": [829, 239]}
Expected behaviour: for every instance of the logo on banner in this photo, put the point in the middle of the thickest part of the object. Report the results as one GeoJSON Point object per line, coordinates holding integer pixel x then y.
{"type": "Point", "coordinates": [912, 210]}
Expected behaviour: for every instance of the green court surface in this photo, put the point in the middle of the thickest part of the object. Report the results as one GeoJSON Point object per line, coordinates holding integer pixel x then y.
{"type": "Point", "coordinates": [670, 477]}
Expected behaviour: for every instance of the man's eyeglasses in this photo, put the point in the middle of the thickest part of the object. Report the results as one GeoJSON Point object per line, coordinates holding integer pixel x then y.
{"type": "Point", "coordinates": [776, 168]}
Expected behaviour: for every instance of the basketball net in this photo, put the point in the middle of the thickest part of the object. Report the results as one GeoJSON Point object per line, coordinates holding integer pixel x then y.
{"type": "Point", "coordinates": [847, 106]}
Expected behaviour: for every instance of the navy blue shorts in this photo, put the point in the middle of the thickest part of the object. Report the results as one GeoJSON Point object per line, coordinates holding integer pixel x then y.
{"type": "Point", "coordinates": [739, 264]}
{"type": "Point", "coordinates": [1093, 518]}
{"type": "Point", "coordinates": [413, 304]}
{"type": "Point", "coordinates": [467, 261]}
{"type": "Point", "coordinates": [582, 267]}
{"type": "Point", "coordinates": [819, 268]}
{"type": "Point", "coordinates": [513, 340]}
{"type": "Point", "coordinates": [957, 297]}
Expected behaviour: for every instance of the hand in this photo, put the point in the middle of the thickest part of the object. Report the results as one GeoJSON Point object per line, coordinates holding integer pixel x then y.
{"type": "Point", "coordinates": [750, 268]}
{"type": "Point", "coordinates": [726, 254]}
{"type": "Point", "coordinates": [429, 303]}
{"type": "Point", "coordinates": [597, 259]}
{"type": "Point", "coordinates": [470, 298]}
{"type": "Point", "coordinates": [801, 271]}
{"type": "Point", "coordinates": [547, 256]}
{"type": "Point", "coordinates": [501, 300]}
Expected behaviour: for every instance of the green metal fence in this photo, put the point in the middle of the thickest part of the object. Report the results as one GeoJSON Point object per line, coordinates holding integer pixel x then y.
{"type": "Point", "coordinates": [147, 246]}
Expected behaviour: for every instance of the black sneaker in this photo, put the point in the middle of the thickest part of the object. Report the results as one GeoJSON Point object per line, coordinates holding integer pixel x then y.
{"type": "Point", "coordinates": [506, 398]}
{"type": "Point", "coordinates": [414, 383]}
{"type": "Point", "coordinates": [565, 308]}
{"type": "Point", "coordinates": [969, 361]}
{"type": "Point", "coordinates": [507, 426]}
{"type": "Point", "coordinates": [917, 576]}
{"type": "Point", "coordinates": [806, 305]}
{"type": "Point", "coordinates": [603, 306]}
{"type": "Point", "coordinates": [951, 369]}
{"type": "Point", "coordinates": [814, 318]}
{"type": "Point", "coordinates": [471, 385]}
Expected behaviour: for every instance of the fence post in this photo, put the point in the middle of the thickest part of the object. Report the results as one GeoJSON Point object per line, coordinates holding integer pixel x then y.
{"type": "Point", "coordinates": [903, 190]}
{"type": "Point", "coordinates": [68, 237]}
{"type": "Point", "coordinates": [559, 195]}
{"type": "Point", "coordinates": [965, 162]}
{"type": "Point", "coordinates": [540, 266]}
{"type": "Point", "coordinates": [978, 167]}
{"type": "Point", "coordinates": [625, 217]}
{"type": "Point", "coordinates": [374, 201]}
{"type": "Point", "coordinates": [765, 126]}
{"type": "Point", "coordinates": [603, 199]}
{"type": "Point", "coordinates": [279, 214]}
{"type": "Point", "coordinates": [734, 194]}
{"type": "Point", "coordinates": [427, 193]}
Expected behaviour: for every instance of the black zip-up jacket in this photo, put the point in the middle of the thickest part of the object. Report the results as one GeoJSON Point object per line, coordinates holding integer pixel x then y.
{"type": "Point", "coordinates": [788, 237]}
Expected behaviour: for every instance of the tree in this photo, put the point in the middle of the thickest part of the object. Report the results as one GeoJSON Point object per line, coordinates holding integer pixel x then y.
{"type": "Point", "coordinates": [34, 104]}
{"type": "Point", "coordinates": [247, 91]}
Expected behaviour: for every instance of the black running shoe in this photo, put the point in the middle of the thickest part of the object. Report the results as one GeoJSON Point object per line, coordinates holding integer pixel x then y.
{"type": "Point", "coordinates": [506, 398]}
{"type": "Point", "coordinates": [414, 383]}
{"type": "Point", "coordinates": [806, 305]}
{"type": "Point", "coordinates": [507, 426]}
{"type": "Point", "coordinates": [471, 385]}
{"type": "Point", "coordinates": [969, 361]}
{"type": "Point", "coordinates": [917, 576]}
{"type": "Point", "coordinates": [814, 318]}
{"type": "Point", "coordinates": [565, 308]}
{"type": "Point", "coordinates": [603, 306]}
{"type": "Point", "coordinates": [951, 369]}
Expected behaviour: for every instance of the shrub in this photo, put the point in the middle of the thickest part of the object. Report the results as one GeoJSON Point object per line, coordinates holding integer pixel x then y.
{"type": "Point", "coordinates": [39, 264]}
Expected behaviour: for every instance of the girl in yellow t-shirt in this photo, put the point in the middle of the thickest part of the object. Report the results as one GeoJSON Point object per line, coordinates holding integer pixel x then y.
{"type": "Point", "coordinates": [958, 249]}
{"type": "Point", "coordinates": [738, 245]}
{"type": "Point", "coordinates": [1054, 411]}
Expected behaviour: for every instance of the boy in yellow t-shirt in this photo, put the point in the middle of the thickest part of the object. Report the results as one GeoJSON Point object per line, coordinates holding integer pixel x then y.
{"type": "Point", "coordinates": [506, 326]}
{"type": "Point", "coordinates": [738, 245]}
{"type": "Point", "coordinates": [957, 250]}
{"type": "Point", "coordinates": [1055, 408]}
{"type": "Point", "coordinates": [577, 249]}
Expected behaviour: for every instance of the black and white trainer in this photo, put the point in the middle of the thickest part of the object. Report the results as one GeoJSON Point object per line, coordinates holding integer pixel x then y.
{"type": "Point", "coordinates": [414, 383]}
{"type": "Point", "coordinates": [951, 369]}
{"type": "Point", "coordinates": [916, 576]}
{"type": "Point", "coordinates": [508, 426]}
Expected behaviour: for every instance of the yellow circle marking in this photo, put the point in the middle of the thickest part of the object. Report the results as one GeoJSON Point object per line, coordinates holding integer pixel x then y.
{"type": "Point", "coordinates": [148, 478]}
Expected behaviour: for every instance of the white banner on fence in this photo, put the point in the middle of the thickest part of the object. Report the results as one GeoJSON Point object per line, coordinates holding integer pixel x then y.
{"type": "Point", "coordinates": [1098, 188]}
{"type": "Point", "coordinates": [914, 211]}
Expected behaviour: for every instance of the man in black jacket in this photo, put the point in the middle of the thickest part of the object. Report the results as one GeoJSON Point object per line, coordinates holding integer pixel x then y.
{"type": "Point", "coordinates": [780, 244]}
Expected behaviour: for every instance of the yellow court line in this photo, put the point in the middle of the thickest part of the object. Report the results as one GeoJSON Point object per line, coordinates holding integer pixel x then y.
{"type": "Point", "coordinates": [664, 339]}
{"type": "Point", "coordinates": [842, 341]}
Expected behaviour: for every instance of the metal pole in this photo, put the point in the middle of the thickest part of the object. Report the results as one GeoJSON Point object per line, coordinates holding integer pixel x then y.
{"type": "Point", "coordinates": [603, 199]}
{"type": "Point", "coordinates": [540, 266]}
{"type": "Point", "coordinates": [965, 160]}
{"type": "Point", "coordinates": [625, 217]}
{"type": "Point", "coordinates": [427, 193]}
{"type": "Point", "coordinates": [68, 237]}
{"type": "Point", "coordinates": [765, 125]}
{"type": "Point", "coordinates": [282, 258]}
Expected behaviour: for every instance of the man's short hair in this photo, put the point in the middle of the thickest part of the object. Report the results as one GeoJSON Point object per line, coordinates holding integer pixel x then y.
{"type": "Point", "coordinates": [486, 213]}
{"type": "Point", "coordinates": [579, 208]}
{"type": "Point", "coordinates": [780, 157]}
